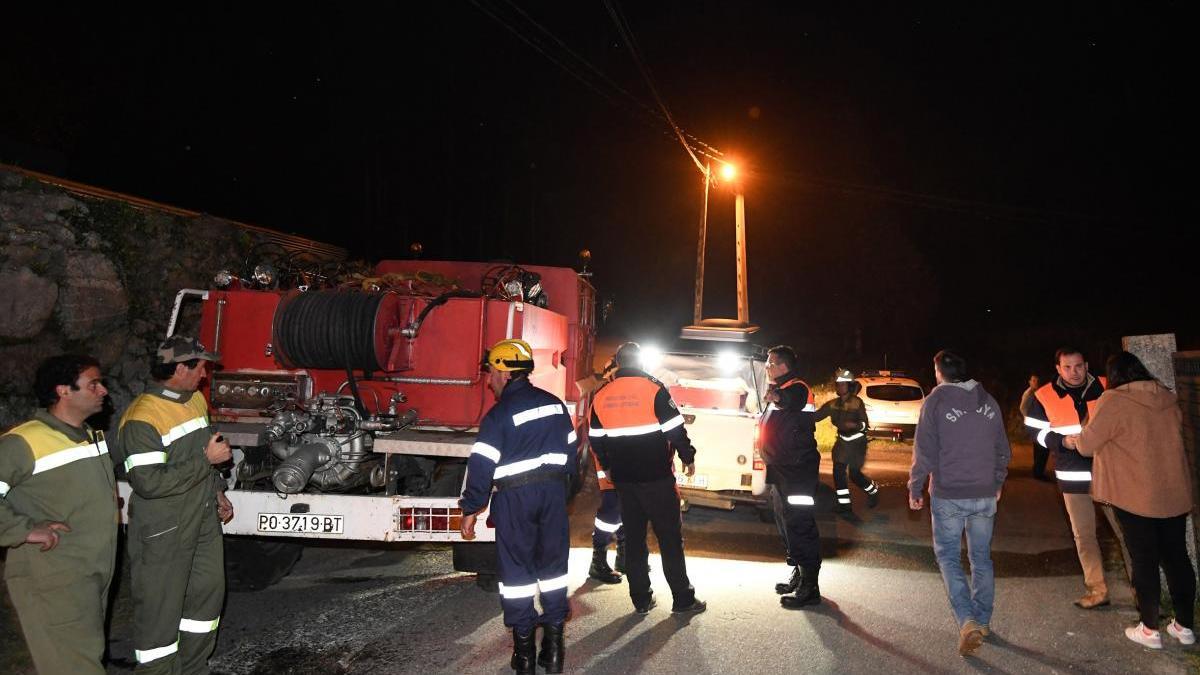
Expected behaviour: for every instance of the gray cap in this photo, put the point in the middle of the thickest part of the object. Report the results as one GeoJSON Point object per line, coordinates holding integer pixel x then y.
{"type": "Point", "coordinates": [180, 348]}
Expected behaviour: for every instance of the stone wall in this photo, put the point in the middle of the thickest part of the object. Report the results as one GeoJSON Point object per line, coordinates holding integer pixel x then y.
{"type": "Point", "coordinates": [98, 276]}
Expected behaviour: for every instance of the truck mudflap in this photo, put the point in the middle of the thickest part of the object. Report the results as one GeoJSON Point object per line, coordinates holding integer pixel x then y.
{"type": "Point", "coordinates": [345, 517]}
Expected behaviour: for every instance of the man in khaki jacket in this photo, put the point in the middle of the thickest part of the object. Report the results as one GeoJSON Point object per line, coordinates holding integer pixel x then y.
{"type": "Point", "coordinates": [58, 516]}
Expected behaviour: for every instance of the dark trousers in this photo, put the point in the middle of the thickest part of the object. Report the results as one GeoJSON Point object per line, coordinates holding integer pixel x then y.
{"type": "Point", "coordinates": [1040, 455]}
{"type": "Point", "coordinates": [532, 543]}
{"type": "Point", "coordinates": [656, 503]}
{"type": "Point", "coordinates": [794, 494]}
{"type": "Point", "coordinates": [607, 525]}
{"type": "Point", "coordinates": [1153, 542]}
{"type": "Point", "coordinates": [849, 457]}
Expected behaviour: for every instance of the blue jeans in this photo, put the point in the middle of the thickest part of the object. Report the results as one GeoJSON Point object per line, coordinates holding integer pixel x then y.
{"type": "Point", "coordinates": [950, 518]}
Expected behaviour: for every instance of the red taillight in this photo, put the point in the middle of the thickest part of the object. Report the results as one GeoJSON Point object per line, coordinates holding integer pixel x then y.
{"type": "Point", "coordinates": [758, 463]}
{"type": "Point", "coordinates": [430, 519]}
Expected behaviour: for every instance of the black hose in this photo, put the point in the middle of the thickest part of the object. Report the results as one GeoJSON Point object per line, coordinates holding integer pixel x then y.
{"type": "Point", "coordinates": [328, 329]}
{"type": "Point", "coordinates": [439, 300]}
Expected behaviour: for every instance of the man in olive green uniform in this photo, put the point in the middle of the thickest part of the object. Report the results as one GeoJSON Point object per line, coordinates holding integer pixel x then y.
{"type": "Point", "coordinates": [848, 414]}
{"type": "Point", "coordinates": [58, 513]}
{"type": "Point", "coordinates": [175, 513]}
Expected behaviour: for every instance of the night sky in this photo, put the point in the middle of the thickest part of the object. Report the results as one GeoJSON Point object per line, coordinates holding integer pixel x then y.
{"type": "Point", "coordinates": [999, 179]}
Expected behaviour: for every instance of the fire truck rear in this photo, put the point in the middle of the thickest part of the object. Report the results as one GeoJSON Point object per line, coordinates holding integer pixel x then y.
{"type": "Point", "coordinates": [352, 408]}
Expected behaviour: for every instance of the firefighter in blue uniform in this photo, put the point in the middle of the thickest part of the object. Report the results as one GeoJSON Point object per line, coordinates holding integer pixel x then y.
{"type": "Point", "coordinates": [526, 451]}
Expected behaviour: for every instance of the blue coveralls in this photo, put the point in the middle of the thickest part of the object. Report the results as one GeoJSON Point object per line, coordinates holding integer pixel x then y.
{"type": "Point", "coordinates": [527, 449]}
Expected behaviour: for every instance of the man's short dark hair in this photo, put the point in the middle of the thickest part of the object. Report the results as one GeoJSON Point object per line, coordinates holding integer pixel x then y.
{"type": "Point", "coordinates": [164, 371]}
{"type": "Point", "coordinates": [1067, 351]}
{"type": "Point", "coordinates": [59, 370]}
{"type": "Point", "coordinates": [785, 355]}
{"type": "Point", "coordinates": [629, 355]}
{"type": "Point", "coordinates": [952, 366]}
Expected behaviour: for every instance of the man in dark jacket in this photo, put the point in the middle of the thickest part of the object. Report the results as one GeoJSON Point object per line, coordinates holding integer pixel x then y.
{"type": "Point", "coordinates": [789, 449]}
{"type": "Point", "coordinates": [634, 427]}
{"type": "Point", "coordinates": [961, 443]}
{"type": "Point", "coordinates": [848, 414]}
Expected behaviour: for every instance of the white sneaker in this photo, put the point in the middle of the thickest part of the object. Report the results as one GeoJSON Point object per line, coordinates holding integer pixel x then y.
{"type": "Point", "coordinates": [1184, 635]}
{"type": "Point", "coordinates": [1146, 637]}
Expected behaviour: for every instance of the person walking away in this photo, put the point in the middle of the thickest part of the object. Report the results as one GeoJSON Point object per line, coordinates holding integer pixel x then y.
{"type": "Point", "coordinates": [525, 452]}
{"type": "Point", "coordinates": [1059, 409]}
{"type": "Point", "coordinates": [1141, 471]}
{"type": "Point", "coordinates": [848, 414]}
{"type": "Point", "coordinates": [962, 451]}
{"type": "Point", "coordinates": [788, 446]}
{"type": "Point", "coordinates": [605, 528]}
{"type": "Point", "coordinates": [58, 518]}
{"type": "Point", "coordinates": [1040, 452]}
{"type": "Point", "coordinates": [636, 429]}
{"type": "Point", "coordinates": [178, 503]}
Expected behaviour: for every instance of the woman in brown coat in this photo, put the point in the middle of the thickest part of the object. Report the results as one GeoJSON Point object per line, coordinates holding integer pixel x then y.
{"type": "Point", "coordinates": [1141, 471]}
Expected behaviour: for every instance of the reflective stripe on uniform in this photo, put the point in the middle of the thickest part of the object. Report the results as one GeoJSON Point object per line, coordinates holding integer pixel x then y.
{"type": "Point", "coordinates": [148, 655]}
{"type": "Point", "coordinates": [485, 450]}
{"type": "Point", "coordinates": [844, 491]}
{"type": "Point", "coordinates": [607, 527]}
{"type": "Point", "coordinates": [180, 430]}
{"type": "Point", "coordinates": [1036, 423]}
{"type": "Point", "coordinates": [194, 626]}
{"type": "Point", "coordinates": [4, 488]}
{"type": "Point", "coordinates": [601, 475]}
{"type": "Point", "coordinates": [843, 500]}
{"type": "Point", "coordinates": [1041, 437]}
{"type": "Point", "coordinates": [572, 437]}
{"type": "Point", "coordinates": [554, 584]}
{"type": "Point", "coordinates": [536, 414]}
{"type": "Point", "coordinates": [517, 592]}
{"type": "Point", "coordinates": [144, 458]}
{"type": "Point", "coordinates": [851, 438]}
{"type": "Point", "coordinates": [1073, 475]}
{"type": "Point", "coordinates": [809, 407]}
{"type": "Point", "coordinates": [671, 423]}
{"type": "Point", "coordinates": [548, 459]}
{"type": "Point", "coordinates": [801, 500]}
{"type": "Point", "coordinates": [68, 455]}
{"type": "Point", "coordinates": [872, 488]}
{"type": "Point", "coordinates": [629, 431]}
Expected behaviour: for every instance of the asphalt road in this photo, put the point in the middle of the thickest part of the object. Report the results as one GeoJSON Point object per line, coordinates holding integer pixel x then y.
{"type": "Point", "coordinates": [402, 609]}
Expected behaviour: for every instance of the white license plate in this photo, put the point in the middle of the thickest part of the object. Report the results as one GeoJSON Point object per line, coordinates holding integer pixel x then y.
{"type": "Point", "coordinates": [298, 523]}
{"type": "Point", "coordinates": [699, 480]}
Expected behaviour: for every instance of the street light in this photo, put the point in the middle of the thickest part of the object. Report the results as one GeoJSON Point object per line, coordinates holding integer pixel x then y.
{"type": "Point", "coordinates": [740, 328]}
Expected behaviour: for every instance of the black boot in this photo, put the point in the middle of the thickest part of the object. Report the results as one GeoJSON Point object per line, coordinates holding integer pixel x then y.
{"type": "Point", "coordinates": [872, 495]}
{"type": "Point", "coordinates": [524, 658]}
{"type": "Point", "coordinates": [600, 571]}
{"type": "Point", "coordinates": [792, 583]}
{"type": "Point", "coordinates": [809, 592]}
{"type": "Point", "coordinates": [621, 555]}
{"type": "Point", "coordinates": [551, 656]}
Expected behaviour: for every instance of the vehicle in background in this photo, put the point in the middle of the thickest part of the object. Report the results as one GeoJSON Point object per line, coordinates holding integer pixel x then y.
{"type": "Point", "coordinates": [893, 402]}
{"type": "Point", "coordinates": [719, 390]}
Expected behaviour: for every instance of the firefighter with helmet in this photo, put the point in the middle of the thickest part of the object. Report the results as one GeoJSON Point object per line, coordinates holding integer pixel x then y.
{"type": "Point", "coordinates": [607, 525]}
{"type": "Point", "coordinates": [848, 414]}
{"type": "Point", "coordinates": [525, 451]}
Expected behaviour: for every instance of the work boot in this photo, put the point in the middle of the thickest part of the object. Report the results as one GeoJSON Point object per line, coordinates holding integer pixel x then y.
{"type": "Point", "coordinates": [524, 658]}
{"type": "Point", "coordinates": [970, 636]}
{"type": "Point", "coordinates": [551, 656]}
{"type": "Point", "coordinates": [842, 508]}
{"type": "Point", "coordinates": [809, 593]}
{"type": "Point", "coordinates": [873, 496]}
{"type": "Point", "coordinates": [600, 571]}
{"type": "Point", "coordinates": [1095, 597]}
{"type": "Point", "coordinates": [792, 583]}
{"type": "Point", "coordinates": [621, 555]}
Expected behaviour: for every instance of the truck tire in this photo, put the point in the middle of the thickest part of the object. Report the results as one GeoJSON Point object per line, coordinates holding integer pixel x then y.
{"type": "Point", "coordinates": [478, 558]}
{"type": "Point", "coordinates": [254, 563]}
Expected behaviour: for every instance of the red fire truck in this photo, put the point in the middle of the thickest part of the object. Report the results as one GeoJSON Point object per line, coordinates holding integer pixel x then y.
{"type": "Point", "coordinates": [352, 408]}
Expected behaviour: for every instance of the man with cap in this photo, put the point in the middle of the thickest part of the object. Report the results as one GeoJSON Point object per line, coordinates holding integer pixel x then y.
{"type": "Point", "coordinates": [58, 516]}
{"type": "Point", "coordinates": [525, 451]}
{"type": "Point", "coordinates": [848, 414]}
{"type": "Point", "coordinates": [175, 513]}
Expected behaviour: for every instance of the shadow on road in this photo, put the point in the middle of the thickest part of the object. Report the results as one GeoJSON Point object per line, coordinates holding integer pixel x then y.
{"type": "Point", "coordinates": [831, 609]}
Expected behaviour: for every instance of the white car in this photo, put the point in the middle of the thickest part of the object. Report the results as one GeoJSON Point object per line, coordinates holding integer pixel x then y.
{"type": "Point", "coordinates": [893, 403]}
{"type": "Point", "coordinates": [719, 393]}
